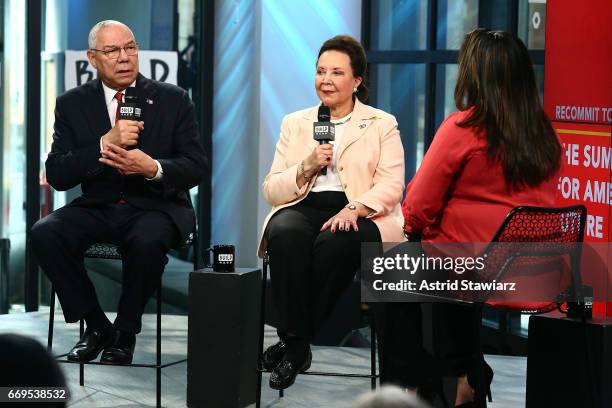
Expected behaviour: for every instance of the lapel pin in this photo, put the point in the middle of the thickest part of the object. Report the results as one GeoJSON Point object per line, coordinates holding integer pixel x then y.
{"type": "Point", "coordinates": [363, 125]}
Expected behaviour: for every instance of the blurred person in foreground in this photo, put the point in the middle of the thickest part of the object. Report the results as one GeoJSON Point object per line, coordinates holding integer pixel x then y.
{"type": "Point", "coordinates": [497, 152]}
{"type": "Point", "coordinates": [314, 232]}
{"type": "Point", "coordinates": [389, 396]}
{"type": "Point", "coordinates": [24, 363]}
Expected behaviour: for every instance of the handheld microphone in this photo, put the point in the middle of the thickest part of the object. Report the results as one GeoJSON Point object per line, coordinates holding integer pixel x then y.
{"type": "Point", "coordinates": [131, 108]}
{"type": "Point", "coordinates": [323, 130]}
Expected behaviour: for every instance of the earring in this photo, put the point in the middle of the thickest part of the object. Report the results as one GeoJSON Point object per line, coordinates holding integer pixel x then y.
{"type": "Point", "coordinates": [355, 90]}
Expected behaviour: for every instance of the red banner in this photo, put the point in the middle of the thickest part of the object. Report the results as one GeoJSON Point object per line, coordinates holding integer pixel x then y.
{"type": "Point", "coordinates": [578, 98]}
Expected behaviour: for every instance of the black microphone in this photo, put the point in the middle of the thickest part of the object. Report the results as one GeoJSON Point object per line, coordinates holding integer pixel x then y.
{"type": "Point", "coordinates": [131, 108]}
{"type": "Point", "coordinates": [323, 130]}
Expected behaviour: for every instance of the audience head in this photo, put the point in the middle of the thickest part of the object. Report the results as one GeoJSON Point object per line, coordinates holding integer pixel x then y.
{"type": "Point", "coordinates": [26, 363]}
{"type": "Point", "coordinates": [389, 396]}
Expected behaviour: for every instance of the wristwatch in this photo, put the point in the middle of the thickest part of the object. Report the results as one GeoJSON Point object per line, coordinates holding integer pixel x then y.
{"type": "Point", "coordinates": [351, 206]}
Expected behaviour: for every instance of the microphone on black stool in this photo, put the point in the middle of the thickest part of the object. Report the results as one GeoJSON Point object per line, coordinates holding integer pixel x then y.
{"type": "Point", "coordinates": [323, 130]}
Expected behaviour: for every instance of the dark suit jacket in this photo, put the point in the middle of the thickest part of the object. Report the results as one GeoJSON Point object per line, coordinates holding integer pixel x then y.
{"type": "Point", "coordinates": [170, 136]}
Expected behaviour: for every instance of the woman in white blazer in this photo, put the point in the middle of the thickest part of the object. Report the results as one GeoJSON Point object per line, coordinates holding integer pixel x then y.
{"type": "Point", "coordinates": [314, 231]}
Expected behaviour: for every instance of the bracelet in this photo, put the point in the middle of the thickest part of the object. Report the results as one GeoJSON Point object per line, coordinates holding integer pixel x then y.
{"type": "Point", "coordinates": [303, 172]}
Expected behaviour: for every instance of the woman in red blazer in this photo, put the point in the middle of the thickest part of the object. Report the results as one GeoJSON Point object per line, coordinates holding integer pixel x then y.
{"type": "Point", "coordinates": [499, 151]}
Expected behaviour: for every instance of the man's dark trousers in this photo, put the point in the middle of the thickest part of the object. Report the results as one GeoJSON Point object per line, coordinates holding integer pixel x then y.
{"type": "Point", "coordinates": [144, 238]}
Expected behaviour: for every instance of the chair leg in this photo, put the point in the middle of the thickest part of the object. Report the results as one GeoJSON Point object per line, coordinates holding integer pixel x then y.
{"type": "Point", "coordinates": [372, 355]}
{"type": "Point", "coordinates": [196, 250]}
{"type": "Point", "coordinates": [158, 339]}
{"type": "Point", "coordinates": [51, 320]}
{"type": "Point", "coordinates": [262, 322]}
{"type": "Point", "coordinates": [81, 366]}
{"type": "Point", "coordinates": [479, 399]}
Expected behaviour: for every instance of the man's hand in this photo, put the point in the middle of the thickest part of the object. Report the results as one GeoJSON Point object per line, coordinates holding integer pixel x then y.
{"type": "Point", "coordinates": [129, 162]}
{"type": "Point", "coordinates": [124, 134]}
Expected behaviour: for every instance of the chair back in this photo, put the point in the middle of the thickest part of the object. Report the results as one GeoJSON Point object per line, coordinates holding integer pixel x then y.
{"type": "Point", "coordinates": [539, 250]}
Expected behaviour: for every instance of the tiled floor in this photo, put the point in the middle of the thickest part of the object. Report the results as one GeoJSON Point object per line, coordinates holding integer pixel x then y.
{"type": "Point", "coordinates": [135, 387]}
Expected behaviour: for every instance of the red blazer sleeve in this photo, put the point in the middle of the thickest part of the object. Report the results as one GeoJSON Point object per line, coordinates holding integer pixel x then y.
{"type": "Point", "coordinates": [426, 193]}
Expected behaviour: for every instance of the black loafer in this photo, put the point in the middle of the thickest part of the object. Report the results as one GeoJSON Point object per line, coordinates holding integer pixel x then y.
{"type": "Point", "coordinates": [120, 350]}
{"type": "Point", "coordinates": [90, 345]}
{"type": "Point", "coordinates": [273, 355]}
{"type": "Point", "coordinates": [285, 373]}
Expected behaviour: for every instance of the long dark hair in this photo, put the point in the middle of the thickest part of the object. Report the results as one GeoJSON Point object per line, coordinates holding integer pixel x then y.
{"type": "Point", "coordinates": [359, 64]}
{"type": "Point", "coordinates": [496, 80]}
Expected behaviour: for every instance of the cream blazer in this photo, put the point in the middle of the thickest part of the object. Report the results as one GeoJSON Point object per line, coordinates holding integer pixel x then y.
{"type": "Point", "coordinates": [370, 162]}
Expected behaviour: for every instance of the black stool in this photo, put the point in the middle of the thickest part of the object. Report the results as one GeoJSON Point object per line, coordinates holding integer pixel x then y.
{"type": "Point", "coordinates": [372, 376]}
{"type": "Point", "coordinates": [110, 251]}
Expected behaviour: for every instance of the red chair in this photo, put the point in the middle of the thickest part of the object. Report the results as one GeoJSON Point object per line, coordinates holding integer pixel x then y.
{"type": "Point", "coordinates": [547, 243]}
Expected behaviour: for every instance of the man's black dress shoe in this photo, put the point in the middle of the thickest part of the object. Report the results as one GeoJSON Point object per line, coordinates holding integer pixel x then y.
{"type": "Point", "coordinates": [284, 374]}
{"type": "Point", "coordinates": [121, 348]}
{"type": "Point", "coordinates": [273, 355]}
{"type": "Point", "coordinates": [90, 345]}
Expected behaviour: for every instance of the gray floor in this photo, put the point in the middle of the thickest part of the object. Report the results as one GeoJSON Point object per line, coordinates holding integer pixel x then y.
{"type": "Point", "coordinates": [135, 387]}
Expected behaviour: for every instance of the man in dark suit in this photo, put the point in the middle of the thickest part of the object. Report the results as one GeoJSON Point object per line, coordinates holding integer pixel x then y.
{"type": "Point", "coordinates": [134, 177]}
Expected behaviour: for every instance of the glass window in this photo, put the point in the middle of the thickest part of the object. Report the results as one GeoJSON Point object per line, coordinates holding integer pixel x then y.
{"type": "Point", "coordinates": [399, 24]}
{"type": "Point", "coordinates": [406, 102]}
{"type": "Point", "coordinates": [13, 161]}
{"type": "Point", "coordinates": [455, 18]}
{"type": "Point", "coordinates": [532, 23]}
{"type": "Point", "coordinates": [539, 77]}
{"type": "Point", "coordinates": [446, 78]}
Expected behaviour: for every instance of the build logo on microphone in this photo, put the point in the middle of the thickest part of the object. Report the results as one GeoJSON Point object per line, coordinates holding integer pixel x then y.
{"type": "Point", "coordinates": [130, 110]}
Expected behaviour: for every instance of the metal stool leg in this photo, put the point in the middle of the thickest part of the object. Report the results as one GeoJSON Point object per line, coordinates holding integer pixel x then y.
{"type": "Point", "coordinates": [81, 366]}
{"type": "Point", "coordinates": [262, 322]}
{"type": "Point", "coordinates": [372, 355]}
{"type": "Point", "coordinates": [51, 320]}
{"type": "Point", "coordinates": [158, 368]}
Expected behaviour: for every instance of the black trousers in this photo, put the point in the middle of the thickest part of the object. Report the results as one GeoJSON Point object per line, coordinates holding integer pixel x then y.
{"type": "Point", "coordinates": [144, 237]}
{"type": "Point", "coordinates": [456, 337]}
{"type": "Point", "coordinates": [404, 358]}
{"type": "Point", "coordinates": [406, 361]}
{"type": "Point", "coordinates": [309, 269]}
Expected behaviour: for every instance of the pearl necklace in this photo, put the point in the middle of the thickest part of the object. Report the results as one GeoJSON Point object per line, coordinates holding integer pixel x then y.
{"type": "Point", "coordinates": [343, 122]}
